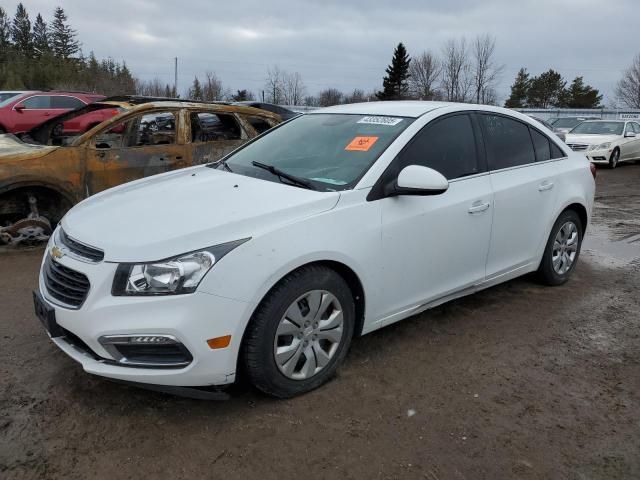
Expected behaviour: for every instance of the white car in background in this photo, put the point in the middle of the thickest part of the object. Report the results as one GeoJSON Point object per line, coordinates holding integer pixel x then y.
{"type": "Point", "coordinates": [606, 141]}
{"type": "Point", "coordinates": [326, 227]}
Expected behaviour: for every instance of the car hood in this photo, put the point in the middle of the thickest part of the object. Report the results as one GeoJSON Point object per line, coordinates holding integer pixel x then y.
{"type": "Point", "coordinates": [12, 147]}
{"type": "Point", "coordinates": [166, 215]}
{"type": "Point", "coordinates": [590, 139]}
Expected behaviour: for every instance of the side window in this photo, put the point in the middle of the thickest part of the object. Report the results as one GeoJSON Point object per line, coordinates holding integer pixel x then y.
{"type": "Point", "coordinates": [448, 146]}
{"type": "Point", "coordinates": [38, 102]}
{"type": "Point", "coordinates": [556, 152]}
{"type": "Point", "coordinates": [636, 127]}
{"type": "Point", "coordinates": [542, 146]}
{"type": "Point", "coordinates": [507, 141]}
{"type": "Point", "coordinates": [212, 127]}
{"type": "Point", "coordinates": [259, 124]}
{"type": "Point", "coordinates": [157, 128]}
{"type": "Point", "coordinates": [66, 102]}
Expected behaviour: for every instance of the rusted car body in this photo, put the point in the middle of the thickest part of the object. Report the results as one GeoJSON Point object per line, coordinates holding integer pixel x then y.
{"type": "Point", "coordinates": [44, 175]}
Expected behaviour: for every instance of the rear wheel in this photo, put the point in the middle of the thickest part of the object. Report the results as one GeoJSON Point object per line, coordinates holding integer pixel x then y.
{"type": "Point", "coordinates": [562, 250]}
{"type": "Point", "coordinates": [614, 158]}
{"type": "Point", "coordinates": [300, 333]}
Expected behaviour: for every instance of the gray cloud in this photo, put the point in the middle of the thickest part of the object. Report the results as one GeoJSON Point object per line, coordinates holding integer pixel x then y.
{"type": "Point", "coordinates": [348, 44]}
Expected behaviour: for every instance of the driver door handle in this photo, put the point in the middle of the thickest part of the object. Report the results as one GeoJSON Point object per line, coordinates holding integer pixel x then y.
{"type": "Point", "coordinates": [544, 186]}
{"type": "Point", "coordinates": [478, 207]}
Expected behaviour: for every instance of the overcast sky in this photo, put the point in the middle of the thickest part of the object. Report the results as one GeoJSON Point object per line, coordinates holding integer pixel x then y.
{"type": "Point", "coordinates": [348, 43]}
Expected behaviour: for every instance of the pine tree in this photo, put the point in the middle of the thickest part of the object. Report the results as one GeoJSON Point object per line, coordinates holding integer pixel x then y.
{"type": "Point", "coordinates": [21, 32]}
{"type": "Point", "coordinates": [195, 92]}
{"type": "Point", "coordinates": [63, 37]}
{"type": "Point", "coordinates": [395, 85]}
{"type": "Point", "coordinates": [5, 31]}
{"type": "Point", "coordinates": [547, 90]}
{"type": "Point", "coordinates": [519, 90]}
{"type": "Point", "coordinates": [580, 95]}
{"type": "Point", "coordinates": [40, 37]}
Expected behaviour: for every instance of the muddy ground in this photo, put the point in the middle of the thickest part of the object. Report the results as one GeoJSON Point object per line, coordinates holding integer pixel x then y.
{"type": "Point", "coordinates": [519, 381]}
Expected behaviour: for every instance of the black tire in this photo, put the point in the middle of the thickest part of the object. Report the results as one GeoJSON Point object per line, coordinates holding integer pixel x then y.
{"type": "Point", "coordinates": [614, 159]}
{"type": "Point", "coordinates": [258, 345]}
{"type": "Point", "coordinates": [546, 271]}
{"type": "Point", "coordinates": [2, 130]}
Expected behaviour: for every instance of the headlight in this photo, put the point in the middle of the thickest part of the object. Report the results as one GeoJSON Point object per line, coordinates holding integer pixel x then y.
{"type": "Point", "coordinates": [176, 275]}
{"type": "Point", "coordinates": [602, 146]}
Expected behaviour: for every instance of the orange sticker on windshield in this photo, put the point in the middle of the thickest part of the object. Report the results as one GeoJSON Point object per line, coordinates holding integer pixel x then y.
{"type": "Point", "coordinates": [361, 144]}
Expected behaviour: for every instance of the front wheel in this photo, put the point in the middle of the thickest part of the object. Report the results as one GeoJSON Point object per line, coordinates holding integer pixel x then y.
{"type": "Point", "coordinates": [300, 333]}
{"type": "Point", "coordinates": [614, 158]}
{"type": "Point", "coordinates": [562, 250]}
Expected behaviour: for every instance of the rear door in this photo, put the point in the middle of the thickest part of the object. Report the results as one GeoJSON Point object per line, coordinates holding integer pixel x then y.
{"type": "Point", "coordinates": [525, 195]}
{"type": "Point", "coordinates": [436, 245]}
{"type": "Point", "coordinates": [143, 144]}
{"type": "Point", "coordinates": [213, 135]}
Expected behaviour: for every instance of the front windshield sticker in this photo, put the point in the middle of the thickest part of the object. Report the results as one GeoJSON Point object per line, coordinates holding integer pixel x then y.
{"type": "Point", "coordinates": [361, 144]}
{"type": "Point", "coordinates": [390, 121]}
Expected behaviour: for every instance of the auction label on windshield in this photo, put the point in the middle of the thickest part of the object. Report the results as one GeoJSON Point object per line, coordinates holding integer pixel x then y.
{"type": "Point", "coordinates": [361, 144]}
{"type": "Point", "coordinates": [390, 121]}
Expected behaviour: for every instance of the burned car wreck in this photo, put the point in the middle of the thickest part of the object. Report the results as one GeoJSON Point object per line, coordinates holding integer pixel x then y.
{"type": "Point", "coordinates": [43, 173]}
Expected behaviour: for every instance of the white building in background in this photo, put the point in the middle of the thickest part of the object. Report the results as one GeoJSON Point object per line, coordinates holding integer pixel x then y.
{"type": "Point", "coordinates": [604, 113]}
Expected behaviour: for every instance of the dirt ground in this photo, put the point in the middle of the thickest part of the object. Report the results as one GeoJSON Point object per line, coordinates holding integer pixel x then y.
{"type": "Point", "coordinates": [518, 381]}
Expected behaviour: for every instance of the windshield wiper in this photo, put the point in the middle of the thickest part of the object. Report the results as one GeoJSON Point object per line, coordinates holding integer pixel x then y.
{"type": "Point", "coordinates": [300, 182]}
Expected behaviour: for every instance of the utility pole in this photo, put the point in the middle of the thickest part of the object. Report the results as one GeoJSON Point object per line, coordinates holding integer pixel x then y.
{"type": "Point", "coordinates": [175, 77]}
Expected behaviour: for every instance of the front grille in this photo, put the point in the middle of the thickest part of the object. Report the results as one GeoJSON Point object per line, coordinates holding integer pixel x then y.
{"type": "Point", "coordinates": [64, 284]}
{"type": "Point", "coordinates": [81, 250]}
{"type": "Point", "coordinates": [577, 147]}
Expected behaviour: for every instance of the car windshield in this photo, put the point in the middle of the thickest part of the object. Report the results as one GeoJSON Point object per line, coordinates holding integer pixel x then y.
{"type": "Point", "coordinates": [567, 122]}
{"type": "Point", "coordinates": [6, 97]}
{"type": "Point", "coordinates": [329, 151]}
{"type": "Point", "coordinates": [599, 128]}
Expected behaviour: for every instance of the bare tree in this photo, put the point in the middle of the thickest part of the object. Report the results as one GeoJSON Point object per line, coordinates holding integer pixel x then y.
{"type": "Point", "coordinates": [152, 88]}
{"type": "Point", "coordinates": [456, 77]}
{"type": "Point", "coordinates": [357, 96]}
{"type": "Point", "coordinates": [628, 87]}
{"type": "Point", "coordinates": [486, 73]}
{"type": "Point", "coordinates": [274, 85]}
{"type": "Point", "coordinates": [212, 90]}
{"type": "Point", "coordinates": [424, 72]}
{"type": "Point", "coordinates": [330, 96]}
{"type": "Point", "coordinates": [293, 88]}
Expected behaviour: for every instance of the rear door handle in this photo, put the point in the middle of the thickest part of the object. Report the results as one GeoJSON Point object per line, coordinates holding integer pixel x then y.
{"type": "Point", "coordinates": [544, 186]}
{"type": "Point", "coordinates": [478, 207]}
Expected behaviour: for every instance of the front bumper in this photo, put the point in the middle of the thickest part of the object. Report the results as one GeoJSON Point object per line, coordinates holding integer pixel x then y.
{"type": "Point", "coordinates": [191, 318]}
{"type": "Point", "coordinates": [599, 156]}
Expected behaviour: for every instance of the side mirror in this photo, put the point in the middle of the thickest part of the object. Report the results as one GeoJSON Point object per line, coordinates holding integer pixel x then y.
{"type": "Point", "coordinates": [419, 180]}
{"type": "Point", "coordinates": [19, 106]}
{"type": "Point", "coordinates": [630, 135]}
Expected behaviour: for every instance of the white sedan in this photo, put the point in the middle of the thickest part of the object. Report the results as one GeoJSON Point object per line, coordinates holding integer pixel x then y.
{"type": "Point", "coordinates": [606, 141]}
{"type": "Point", "coordinates": [325, 228]}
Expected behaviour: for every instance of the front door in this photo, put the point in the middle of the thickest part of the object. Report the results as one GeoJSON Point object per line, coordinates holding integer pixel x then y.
{"type": "Point", "coordinates": [437, 245]}
{"type": "Point", "coordinates": [143, 144]}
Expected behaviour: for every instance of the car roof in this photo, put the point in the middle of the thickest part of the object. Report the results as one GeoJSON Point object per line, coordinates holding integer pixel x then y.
{"type": "Point", "coordinates": [400, 108]}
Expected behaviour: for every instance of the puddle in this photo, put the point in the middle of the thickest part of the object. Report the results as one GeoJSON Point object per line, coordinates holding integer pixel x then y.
{"type": "Point", "coordinates": [604, 251]}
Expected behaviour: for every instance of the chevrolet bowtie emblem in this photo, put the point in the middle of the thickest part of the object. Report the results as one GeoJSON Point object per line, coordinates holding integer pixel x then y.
{"type": "Point", "coordinates": [56, 252]}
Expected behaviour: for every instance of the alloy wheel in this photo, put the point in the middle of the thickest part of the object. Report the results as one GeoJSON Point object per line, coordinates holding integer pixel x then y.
{"type": "Point", "coordinates": [308, 335]}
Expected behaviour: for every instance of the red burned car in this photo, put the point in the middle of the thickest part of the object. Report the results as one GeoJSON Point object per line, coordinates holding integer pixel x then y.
{"type": "Point", "coordinates": [20, 111]}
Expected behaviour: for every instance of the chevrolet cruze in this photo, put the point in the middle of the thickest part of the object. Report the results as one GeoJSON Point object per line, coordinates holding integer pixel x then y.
{"type": "Point", "coordinates": [325, 228]}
